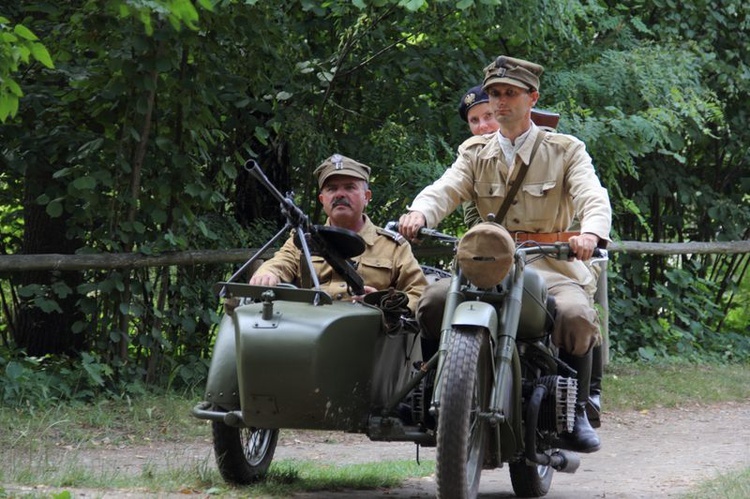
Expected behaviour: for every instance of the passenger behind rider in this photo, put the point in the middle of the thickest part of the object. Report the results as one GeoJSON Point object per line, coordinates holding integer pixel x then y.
{"type": "Point", "coordinates": [560, 184]}
{"type": "Point", "coordinates": [474, 109]}
{"type": "Point", "coordinates": [387, 261]}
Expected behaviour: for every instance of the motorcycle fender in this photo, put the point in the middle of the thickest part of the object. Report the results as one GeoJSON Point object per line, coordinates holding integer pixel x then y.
{"type": "Point", "coordinates": [222, 386]}
{"type": "Point", "coordinates": [476, 313]}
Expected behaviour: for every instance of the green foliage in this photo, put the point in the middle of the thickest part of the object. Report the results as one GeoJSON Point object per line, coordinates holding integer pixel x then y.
{"type": "Point", "coordinates": [679, 319]}
{"type": "Point", "coordinates": [18, 46]}
{"type": "Point", "coordinates": [36, 382]}
{"type": "Point", "coordinates": [134, 141]}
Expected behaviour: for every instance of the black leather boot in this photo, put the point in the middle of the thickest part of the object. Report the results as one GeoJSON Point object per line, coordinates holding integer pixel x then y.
{"type": "Point", "coordinates": [583, 438]}
{"type": "Point", "coordinates": [594, 403]}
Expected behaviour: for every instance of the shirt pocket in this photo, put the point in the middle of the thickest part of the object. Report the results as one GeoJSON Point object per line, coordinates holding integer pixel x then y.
{"type": "Point", "coordinates": [487, 196]}
{"type": "Point", "coordinates": [541, 200]}
{"type": "Point", "coordinates": [322, 269]}
{"type": "Point", "coordinates": [376, 272]}
{"type": "Point", "coordinates": [489, 189]}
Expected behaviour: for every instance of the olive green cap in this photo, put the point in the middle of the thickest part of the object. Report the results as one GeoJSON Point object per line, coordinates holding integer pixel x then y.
{"type": "Point", "coordinates": [341, 165]}
{"type": "Point", "coordinates": [512, 71]}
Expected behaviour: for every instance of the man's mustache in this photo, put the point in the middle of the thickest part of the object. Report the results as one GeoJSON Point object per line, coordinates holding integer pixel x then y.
{"type": "Point", "coordinates": [341, 202]}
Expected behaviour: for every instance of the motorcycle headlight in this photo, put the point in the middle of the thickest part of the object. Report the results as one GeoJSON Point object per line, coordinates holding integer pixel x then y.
{"type": "Point", "coordinates": [485, 254]}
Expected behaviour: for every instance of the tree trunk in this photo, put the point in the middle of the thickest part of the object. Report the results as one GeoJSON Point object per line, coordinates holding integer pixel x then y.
{"type": "Point", "coordinates": [37, 331]}
{"type": "Point", "coordinates": [254, 202]}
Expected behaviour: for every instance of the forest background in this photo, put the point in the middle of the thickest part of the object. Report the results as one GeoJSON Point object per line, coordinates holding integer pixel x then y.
{"type": "Point", "coordinates": [126, 124]}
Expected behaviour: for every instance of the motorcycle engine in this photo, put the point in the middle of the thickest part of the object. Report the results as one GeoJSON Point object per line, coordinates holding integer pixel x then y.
{"type": "Point", "coordinates": [557, 412]}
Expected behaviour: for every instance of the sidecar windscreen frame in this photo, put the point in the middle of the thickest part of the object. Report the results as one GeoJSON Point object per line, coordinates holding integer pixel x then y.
{"type": "Point", "coordinates": [285, 293]}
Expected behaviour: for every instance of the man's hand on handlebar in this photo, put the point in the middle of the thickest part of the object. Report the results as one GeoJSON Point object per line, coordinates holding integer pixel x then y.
{"type": "Point", "coordinates": [267, 279]}
{"type": "Point", "coordinates": [410, 223]}
{"type": "Point", "coordinates": [583, 245]}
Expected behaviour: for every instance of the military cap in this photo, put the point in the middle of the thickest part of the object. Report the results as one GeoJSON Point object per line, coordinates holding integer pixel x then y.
{"type": "Point", "coordinates": [512, 71]}
{"type": "Point", "coordinates": [341, 165]}
{"type": "Point", "coordinates": [474, 96]}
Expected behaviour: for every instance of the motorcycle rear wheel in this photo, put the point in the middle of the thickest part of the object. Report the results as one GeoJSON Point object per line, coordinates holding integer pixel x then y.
{"type": "Point", "coordinates": [530, 480]}
{"type": "Point", "coordinates": [243, 455]}
{"type": "Point", "coordinates": [462, 434]}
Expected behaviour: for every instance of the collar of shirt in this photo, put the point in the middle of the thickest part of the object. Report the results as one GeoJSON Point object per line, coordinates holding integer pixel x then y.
{"type": "Point", "coordinates": [510, 149]}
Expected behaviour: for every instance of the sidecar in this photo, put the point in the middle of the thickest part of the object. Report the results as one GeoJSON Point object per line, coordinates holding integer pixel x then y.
{"type": "Point", "coordinates": [294, 358]}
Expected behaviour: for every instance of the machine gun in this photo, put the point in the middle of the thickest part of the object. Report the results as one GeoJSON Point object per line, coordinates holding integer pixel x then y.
{"type": "Point", "coordinates": [334, 244]}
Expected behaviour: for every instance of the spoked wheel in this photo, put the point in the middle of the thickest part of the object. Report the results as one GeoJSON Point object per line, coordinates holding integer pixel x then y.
{"type": "Point", "coordinates": [243, 455]}
{"type": "Point", "coordinates": [462, 434]}
{"type": "Point", "coordinates": [530, 480]}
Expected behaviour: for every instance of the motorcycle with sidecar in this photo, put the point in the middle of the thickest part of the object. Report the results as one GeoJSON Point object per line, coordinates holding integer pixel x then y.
{"type": "Point", "coordinates": [495, 393]}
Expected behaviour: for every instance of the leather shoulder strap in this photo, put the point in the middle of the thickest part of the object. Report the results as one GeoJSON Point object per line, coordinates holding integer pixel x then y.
{"type": "Point", "coordinates": [519, 179]}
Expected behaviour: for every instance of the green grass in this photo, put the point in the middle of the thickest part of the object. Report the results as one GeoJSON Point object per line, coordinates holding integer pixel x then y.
{"type": "Point", "coordinates": [285, 478]}
{"type": "Point", "coordinates": [643, 386]}
{"type": "Point", "coordinates": [728, 486]}
{"type": "Point", "coordinates": [290, 476]}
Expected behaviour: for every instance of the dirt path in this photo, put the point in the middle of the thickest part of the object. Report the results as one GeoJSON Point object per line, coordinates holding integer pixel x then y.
{"type": "Point", "coordinates": [658, 453]}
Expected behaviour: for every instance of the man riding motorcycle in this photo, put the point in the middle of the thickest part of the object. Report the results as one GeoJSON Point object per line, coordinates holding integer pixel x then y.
{"type": "Point", "coordinates": [556, 183]}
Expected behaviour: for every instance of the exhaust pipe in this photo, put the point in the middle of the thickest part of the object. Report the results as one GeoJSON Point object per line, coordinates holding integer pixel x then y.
{"type": "Point", "coordinates": [560, 460]}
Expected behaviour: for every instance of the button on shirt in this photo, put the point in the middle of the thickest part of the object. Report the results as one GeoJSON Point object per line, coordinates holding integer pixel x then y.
{"type": "Point", "coordinates": [561, 184]}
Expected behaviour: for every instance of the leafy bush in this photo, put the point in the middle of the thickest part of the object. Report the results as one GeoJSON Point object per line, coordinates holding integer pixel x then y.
{"type": "Point", "coordinates": [677, 317]}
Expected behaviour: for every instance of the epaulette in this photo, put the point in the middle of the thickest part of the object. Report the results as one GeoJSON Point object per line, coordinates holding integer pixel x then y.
{"type": "Point", "coordinates": [397, 237]}
{"type": "Point", "coordinates": [476, 140]}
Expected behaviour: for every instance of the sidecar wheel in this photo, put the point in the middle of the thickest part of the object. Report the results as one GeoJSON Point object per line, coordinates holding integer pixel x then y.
{"type": "Point", "coordinates": [462, 434]}
{"type": "Point", "coordinates": [530, 480]}
{"type": "Point", "coordinates": [243, 455]}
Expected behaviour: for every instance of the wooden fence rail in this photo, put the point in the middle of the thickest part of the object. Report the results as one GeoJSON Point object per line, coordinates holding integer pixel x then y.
{"type": "Point", "coordinates": [106, 261]}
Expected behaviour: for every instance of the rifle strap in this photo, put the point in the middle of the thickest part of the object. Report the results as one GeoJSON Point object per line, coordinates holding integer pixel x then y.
{"type": "Point", "coordinates": [519, 179]}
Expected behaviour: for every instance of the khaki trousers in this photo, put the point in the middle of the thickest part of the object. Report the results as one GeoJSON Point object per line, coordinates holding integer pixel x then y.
{"type": "Point", "coordinates": [576, 324]}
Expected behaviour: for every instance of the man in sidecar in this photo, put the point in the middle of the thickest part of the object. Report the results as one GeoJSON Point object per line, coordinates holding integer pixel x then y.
{"type": "Point", "coordinates": [387, 261]}
{"type": "Point", "coordinates": [556, 182]}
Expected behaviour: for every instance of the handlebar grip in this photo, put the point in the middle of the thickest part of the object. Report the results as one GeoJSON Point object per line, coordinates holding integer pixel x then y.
{"type": "Point", "coordinates": [423, 231]}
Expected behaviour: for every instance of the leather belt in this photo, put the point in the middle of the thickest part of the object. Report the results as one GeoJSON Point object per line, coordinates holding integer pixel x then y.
{"type": "Point", "coordinates": [543, 237]}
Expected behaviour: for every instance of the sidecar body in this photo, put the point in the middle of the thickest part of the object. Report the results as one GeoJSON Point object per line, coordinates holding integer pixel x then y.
{"type": "Point", "coordinates": [294, 358]}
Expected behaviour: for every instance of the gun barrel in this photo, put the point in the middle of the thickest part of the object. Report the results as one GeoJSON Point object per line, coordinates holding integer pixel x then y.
{"type": "Point", "coordinates": [254, 169]}
{"type": "Point", "coordinates": [293, 213]}
{"type": "Point", "coordinates": [297, 219]}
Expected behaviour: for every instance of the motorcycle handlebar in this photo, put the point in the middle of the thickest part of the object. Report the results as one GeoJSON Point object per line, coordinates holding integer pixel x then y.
{"type": "Point", "coordinates": [426, 232]}
{"type": "Point", "coordinates": [560, 250]}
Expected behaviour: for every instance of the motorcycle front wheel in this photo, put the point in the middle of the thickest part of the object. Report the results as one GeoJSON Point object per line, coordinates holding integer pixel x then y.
{"type": "Point", "coordinates": [243, 455]}
{"type": "Point", "coordinates": [465, 393]}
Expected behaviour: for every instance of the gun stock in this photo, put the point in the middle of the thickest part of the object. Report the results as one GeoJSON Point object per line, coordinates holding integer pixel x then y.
{"type": "Point", "coordinates": [544, 118]}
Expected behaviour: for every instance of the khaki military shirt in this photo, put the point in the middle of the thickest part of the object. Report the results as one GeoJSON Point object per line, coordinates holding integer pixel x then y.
{"type": "Point", "coordinates": [387, 262]}
{"type": "Point", "coordinates": [559, 185]}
